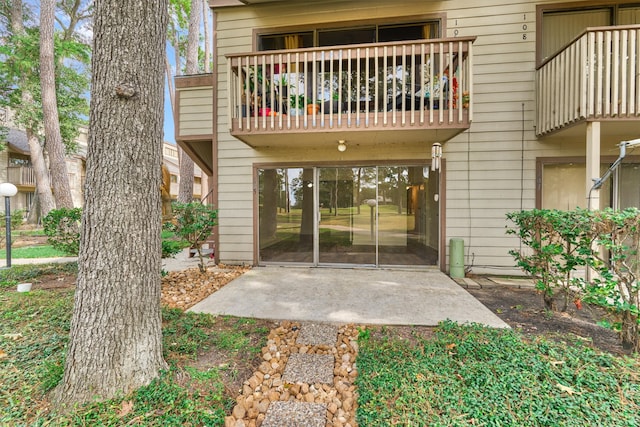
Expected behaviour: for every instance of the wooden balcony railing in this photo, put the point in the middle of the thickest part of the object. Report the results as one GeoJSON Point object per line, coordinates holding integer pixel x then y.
{"type": "Point", "coordinates": [21, 175]}
{"type": "Point", "coordinates": [383, 86]}
{"type": "Point", "coordinates": [597, 76]}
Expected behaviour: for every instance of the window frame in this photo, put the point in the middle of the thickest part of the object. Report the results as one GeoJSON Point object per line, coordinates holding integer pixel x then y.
{"type": "Point", "coordinates": [441, 18]}
{"type": "Point", "coordinates": [541, 162]}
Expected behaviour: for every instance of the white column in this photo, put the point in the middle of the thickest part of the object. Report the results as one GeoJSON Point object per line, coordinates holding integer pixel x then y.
{"type": "Point", "coordinates": [593, 164]}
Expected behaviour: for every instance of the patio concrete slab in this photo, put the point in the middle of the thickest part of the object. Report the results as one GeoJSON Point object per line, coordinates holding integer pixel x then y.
{"type": "Point", "coordinates": [366, 296]}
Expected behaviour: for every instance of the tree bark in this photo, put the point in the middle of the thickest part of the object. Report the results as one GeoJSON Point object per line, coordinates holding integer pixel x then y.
{"type": "Point", "coordinates": [53, 139]}
{"type": "Point", "coordinates": [185, 190]}
{"type": "Point", "coordinates": [43, 185]}
{"type": "Point", "coordinates": [115, 342]}
{"type": "Point", "coordinates": [207, 40]}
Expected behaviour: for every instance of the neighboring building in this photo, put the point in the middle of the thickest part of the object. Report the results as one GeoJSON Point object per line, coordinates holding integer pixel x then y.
{"type": "Point", "coordinates": [170, 156]}
{"type": "Point", "coordinates": [527, 99]}
{"type": "Point", "coordinates": [16, 168]}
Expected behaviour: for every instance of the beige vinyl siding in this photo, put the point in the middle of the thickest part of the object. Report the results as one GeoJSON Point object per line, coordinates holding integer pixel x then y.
{"type": "Point", "coordinates": [196, 108]}
{"type": "Point", "coordinates": [483, 165]}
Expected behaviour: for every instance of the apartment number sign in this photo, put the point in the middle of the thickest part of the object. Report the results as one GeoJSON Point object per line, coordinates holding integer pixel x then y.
{"type": "Point", "coordinates": [525, 27]}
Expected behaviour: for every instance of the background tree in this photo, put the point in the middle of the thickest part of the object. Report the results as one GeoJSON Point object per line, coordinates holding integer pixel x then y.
{"type": "Point", "coordinates": [53, 138]}
{"type": "Point", "coordinates": [185, 190]}
{"type": "Point", "coordinates": [115, 341]}
{"type": "Point", "coordinates": [20, 85]}
{"type": "Point", "coordinates": [17, 90]}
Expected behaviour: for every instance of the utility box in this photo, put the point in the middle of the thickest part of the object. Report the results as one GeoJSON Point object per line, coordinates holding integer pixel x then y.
{"type": "Point", "coordinates": [456, 258]}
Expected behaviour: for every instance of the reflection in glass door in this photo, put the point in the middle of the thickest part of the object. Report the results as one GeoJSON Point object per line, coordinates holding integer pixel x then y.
{"type": "Point", "coordinates": [407, 216]}
{"type": "Point", "coordinates": [369, 215]}
{"type": "Point", "coordinates": [286, 212]}
{"type": "Point", "coordinates": [347, 225]}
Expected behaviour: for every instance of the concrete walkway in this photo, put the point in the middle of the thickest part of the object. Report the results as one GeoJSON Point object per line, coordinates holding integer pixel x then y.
{"type": "Point", "coordinates": [363, 296]}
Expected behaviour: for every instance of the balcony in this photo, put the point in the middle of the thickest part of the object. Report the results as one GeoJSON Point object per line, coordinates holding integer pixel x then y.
{"type": "Point", "coordinates": [595, 78]}
{"type": "Point", "coordinates": [22, 176]}
{"type": "Point", "coordinates": [363, 93]}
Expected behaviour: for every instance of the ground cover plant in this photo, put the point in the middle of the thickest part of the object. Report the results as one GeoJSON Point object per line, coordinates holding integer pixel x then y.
{"type": "Point", "coordinates": [209, 357]}
{"type": "Point", "coordinates": [473, 375]}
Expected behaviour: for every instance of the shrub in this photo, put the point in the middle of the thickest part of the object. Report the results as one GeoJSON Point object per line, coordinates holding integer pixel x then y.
{"type": "Point", "coordinates": [617, 284]}
{"type": "Point", "coordinates": [62, 227]}
{"type": "Point", "coordinates": [170, 248]}
{"type": "Point", "coordinates": [194, 223]}
{"type": "Point", "coordinates": [559, 242]}
{"type": "Point", "coordinates": [607, 241]}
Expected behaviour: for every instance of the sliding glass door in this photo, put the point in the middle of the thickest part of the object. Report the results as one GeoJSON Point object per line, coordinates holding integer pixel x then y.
{"type": "Point", "coordinates": [286, 215]}
{"type": "Point", "coordinates": [363, 215]}
{"type": "Point", "coordinates": [347, 226]}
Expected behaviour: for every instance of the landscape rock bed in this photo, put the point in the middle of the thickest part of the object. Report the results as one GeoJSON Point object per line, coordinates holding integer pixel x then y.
{"type": "Point", "coordinates": [267, 385]}
{"type": "Point", "coordinates": [184, 289]}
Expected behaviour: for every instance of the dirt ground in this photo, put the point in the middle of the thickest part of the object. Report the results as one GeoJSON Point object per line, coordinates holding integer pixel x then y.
{"type": "Point", "coordinates": [523, 309]}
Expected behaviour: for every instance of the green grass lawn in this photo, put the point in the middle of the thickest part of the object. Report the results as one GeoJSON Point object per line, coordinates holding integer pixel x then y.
{"type": "Point", "coordinates": [472, 375]}
{"type": "Point", "coordinates": [43, 251]}
{"type": "Point", "coordinates": [34, 331]}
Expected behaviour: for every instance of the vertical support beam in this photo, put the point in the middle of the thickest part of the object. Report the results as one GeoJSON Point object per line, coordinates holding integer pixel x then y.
{"type": "Point", "coordinates": [593, 164]}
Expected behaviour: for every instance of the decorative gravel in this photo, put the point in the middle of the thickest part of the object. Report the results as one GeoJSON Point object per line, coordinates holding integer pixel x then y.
{"type": "Point", "coordinates": [268, 387]}
{"type": "Point", "coordinates": [309, 369]}
{"type": "Point", "coordinates": [317, 334]}
{"type": "Point", "coordinates": [296, 414]}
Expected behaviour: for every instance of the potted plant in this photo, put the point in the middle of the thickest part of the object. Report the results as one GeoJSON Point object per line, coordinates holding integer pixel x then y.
{"type": "Point", "coordinates": [313, 108]}
{"type": "Point", "coordinates": [297, 104]}
{"type": "Point", "coordinates": [465, 99]}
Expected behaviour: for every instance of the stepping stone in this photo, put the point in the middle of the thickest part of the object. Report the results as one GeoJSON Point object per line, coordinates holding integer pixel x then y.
{"type": "Point", "coordinates": [295, 414]}
{"type": "Point", "coordinates": [309, 369]}
{"type": "Point", "coordinates": [317, 334]}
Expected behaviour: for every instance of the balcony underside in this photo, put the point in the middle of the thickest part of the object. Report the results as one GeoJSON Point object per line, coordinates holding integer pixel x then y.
{"type": "Point", "coordinates": [617, 130]}
{"type": "Point", "coordinates": [365, 129]}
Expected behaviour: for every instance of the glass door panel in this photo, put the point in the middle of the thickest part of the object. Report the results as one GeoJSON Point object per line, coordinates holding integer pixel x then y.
{"type": "Point", "coordinates": [346, 223]}
{"type": "Point", "coordinates": [286, 212]}
{"type": "Point", "coordinates": [408, 227]}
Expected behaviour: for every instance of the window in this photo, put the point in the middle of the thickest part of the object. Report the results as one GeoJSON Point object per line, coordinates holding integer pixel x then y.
{"type": "Point", "coordinates": [560, 26]}
{"type": "Point", "coordinates": [337, 36]}
{"type": "Point", "coordinates": [17, 159]}
{"type": "Point", "coordinates": [564, 187]}
{"type": "Point", "coordinates": [174, 178]}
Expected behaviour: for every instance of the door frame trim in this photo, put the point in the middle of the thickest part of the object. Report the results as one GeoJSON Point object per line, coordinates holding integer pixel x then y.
{"type": "Point", "coordinates": [442, 257]}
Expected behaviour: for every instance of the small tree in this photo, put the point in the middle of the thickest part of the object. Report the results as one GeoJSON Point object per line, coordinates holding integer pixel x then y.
{"type": "Point", "coordinates": [559, 242]}
{"type": "Point", "coordinates": [193, 222]}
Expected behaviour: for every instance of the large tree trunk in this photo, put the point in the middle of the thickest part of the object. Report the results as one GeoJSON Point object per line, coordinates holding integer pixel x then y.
{"type": "Point", "coordinates": [116, 338]}
{"type": "Point", "coordinates": [185, 190]}
{"type": "Point", "coordinates": [43, 185]}
{"type": "Point", "coordinates": [53, 140]}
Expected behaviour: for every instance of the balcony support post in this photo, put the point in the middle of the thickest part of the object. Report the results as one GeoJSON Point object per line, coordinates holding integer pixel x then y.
{"type": "Point", "coordinates": [593, 164]}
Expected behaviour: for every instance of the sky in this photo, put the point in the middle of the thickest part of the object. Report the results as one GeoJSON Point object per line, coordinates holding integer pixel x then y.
{"type": "Point", "coordinates": [169, 135]}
